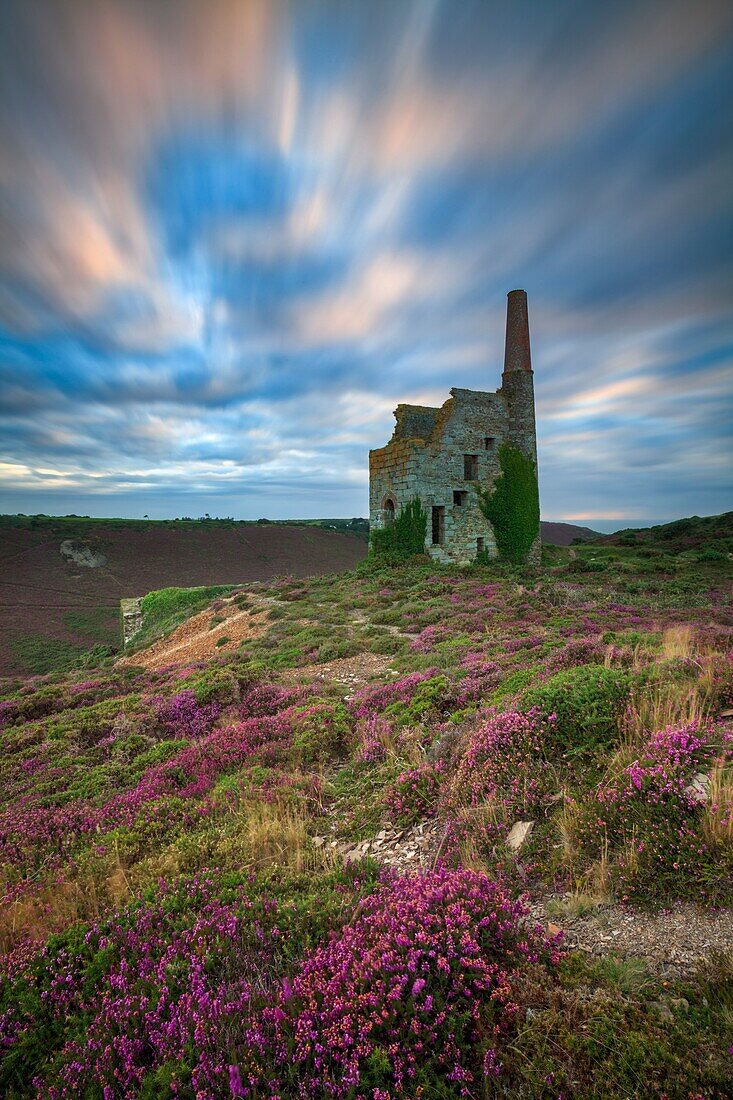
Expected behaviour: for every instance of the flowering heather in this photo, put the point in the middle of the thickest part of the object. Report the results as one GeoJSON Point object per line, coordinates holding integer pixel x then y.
{"type": "Point", "coordinates": [581, 651]}
{"type": "Point", "coordinates": [422, 977]}
{"type": "Point", "coordinates": [414, 794]}
{"type": "Point", "coordinates": [650, 821]}
{"type": "Point", "coordinates": [375, 734]}
{"type": "Point", "coordinates": [505, 760]}
{"type": "Point", "coordinates": [417, 983]}
{"type": "Point", "coordinates": [183, 715]}
{"type": "Point", "coordinates": [428, 638]}
{"type": "Point", "coordinates": [371, 701]}
{"type": "Point", "coordinates": [481, 677]}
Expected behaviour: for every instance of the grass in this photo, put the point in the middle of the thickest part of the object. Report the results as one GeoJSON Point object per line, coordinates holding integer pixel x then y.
{"type": "Point", "coordinates": [39, 654]}
{"type": "Point", "coordinates": [167, 608]}
{"type": "Point", "coordinates": [234, 796]}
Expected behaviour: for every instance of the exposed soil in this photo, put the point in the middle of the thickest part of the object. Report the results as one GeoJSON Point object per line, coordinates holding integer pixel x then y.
{"type": "Point", "coordinates": [197, 639]}
{"type": "Point", "coordinates": [352, 672]}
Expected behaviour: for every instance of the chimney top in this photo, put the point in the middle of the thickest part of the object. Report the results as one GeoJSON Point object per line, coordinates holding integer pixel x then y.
{"type": "Point", "coordinates": [516, 351]}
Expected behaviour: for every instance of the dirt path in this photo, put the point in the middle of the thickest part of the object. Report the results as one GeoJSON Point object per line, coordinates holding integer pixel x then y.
{"type": "Point", "coordinates": [197, 639]}
{"type": "Point", "coordinates": [352, 672]}
{"type": "Point", "coordinates": [671, 942]}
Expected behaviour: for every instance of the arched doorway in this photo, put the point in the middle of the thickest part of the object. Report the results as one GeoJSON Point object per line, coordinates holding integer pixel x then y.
{"type": "Point", "coordinates": [388, 510]}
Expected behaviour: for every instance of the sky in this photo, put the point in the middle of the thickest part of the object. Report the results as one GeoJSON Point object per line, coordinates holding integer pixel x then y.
{"type": "Point", "coordinates": [235, 234]}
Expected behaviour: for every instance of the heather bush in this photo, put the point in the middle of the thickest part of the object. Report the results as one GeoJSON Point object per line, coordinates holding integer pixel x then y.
{"type": "Point", "coordinates": [414, 994]}
{"type": "Point", "coordinates": [212, 987]}
{"type": "Point", "coordinates": [502, 774]}
{"type": "Point", "coordinates": [374, 700]}
{"type": "Point", "coordinates": [649, 824]}
{"type": "Point", "coordinates": [414, 794]}
{"type": "Point", "coordinates": [587, 703]}
{"type": "Point", "coordinates": [184, 714]}
{"type": "Point", "coordinates": [321, 731]}
{"type": "Point", "coordinates": [217, 684]}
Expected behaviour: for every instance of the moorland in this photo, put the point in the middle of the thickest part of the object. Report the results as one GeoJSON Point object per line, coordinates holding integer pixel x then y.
{"type": "Point", "coordinates": [388, 843]}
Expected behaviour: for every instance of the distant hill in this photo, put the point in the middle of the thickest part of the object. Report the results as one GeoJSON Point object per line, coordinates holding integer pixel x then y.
{"type": "Point", "coordinates": [691, 533]}
{"type": "Point", "coordinates": [562, 534]}
{"type": "Point", "coordinates": [62, 578]}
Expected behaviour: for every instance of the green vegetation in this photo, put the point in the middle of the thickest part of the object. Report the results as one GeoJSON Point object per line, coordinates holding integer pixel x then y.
{"type": "Point", "coordinates": [185, 898]}
{"type": "Point", "coordinates": [512, 507]}
{"type": "Point", "coordinates": [404, 538]}
{"type": "Point", "coordinates": [39, 654]}
{"type": "Point", "coordinates": [100, 624]}
{"type": "Point", "coordinates": [167, 608]}
{"type": "Point", "coordinates": [587, 704]}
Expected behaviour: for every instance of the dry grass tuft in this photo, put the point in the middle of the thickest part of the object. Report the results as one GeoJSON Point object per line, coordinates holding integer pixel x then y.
{"type": "Point", "coordinates": [678, 643]}
{"type": "Point", "coordinates": [668, 703]}
{"type": "Point", "coordinates": [718, 819]}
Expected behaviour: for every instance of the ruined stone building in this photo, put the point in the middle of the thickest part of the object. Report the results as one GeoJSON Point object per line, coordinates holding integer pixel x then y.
{"type": "Point", "coordinates": [440, 454]}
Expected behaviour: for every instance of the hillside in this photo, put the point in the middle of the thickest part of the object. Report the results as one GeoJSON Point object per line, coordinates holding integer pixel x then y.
{"type": "Point", "coordinates": [62, 579]}
{"type": "Point", "coordinates": [562, 534]}
{"type": "Point", "coordinates": [418, 832]}
{"type": "Point", "coordinates": [714, 533]}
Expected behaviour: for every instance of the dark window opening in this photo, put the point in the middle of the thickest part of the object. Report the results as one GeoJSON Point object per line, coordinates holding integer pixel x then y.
{"type": "Point", "coordinates": [489, 442]}
{"type": "Point", "coordinates": [479, 546]}
{"type": "Point", "coordinates": [470, 467]}
{"type": "Point", "coordinates": [438, 526]}
{"type": "Point", "coordinates": [388, 513]}
{"type": "Point", "coordinates": [459, 497]}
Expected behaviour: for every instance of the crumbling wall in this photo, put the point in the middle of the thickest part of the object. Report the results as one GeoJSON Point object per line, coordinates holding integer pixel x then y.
{"type": "Point", "coordinates": [426, 454]}
{"type": "Point", "coordinates": [132, 618]}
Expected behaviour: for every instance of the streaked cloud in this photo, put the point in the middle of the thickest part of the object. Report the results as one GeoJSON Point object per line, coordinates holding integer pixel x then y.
{"type": "Point", "coordinates": [234, 235]}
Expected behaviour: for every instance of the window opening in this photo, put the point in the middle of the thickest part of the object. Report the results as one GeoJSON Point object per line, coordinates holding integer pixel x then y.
{"type": "Point", "coordinates": [438, 526]}
{"type": "Point", "coordinates": [470, 467]}
{"type": "Point", "coordinates": [459, 497]}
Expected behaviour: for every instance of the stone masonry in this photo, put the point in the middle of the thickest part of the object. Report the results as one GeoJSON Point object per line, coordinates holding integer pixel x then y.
{"type": "Point", "coordinates": [440, 454]}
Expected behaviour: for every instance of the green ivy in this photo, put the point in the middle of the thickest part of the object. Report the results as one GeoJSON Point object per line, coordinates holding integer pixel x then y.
{"type": "Point", "coordinates": [512, 507]}
{"type": "Point", "coordinates": [404, 537]}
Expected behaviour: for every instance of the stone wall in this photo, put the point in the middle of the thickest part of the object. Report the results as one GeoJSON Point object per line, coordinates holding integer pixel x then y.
{"type": "Point", "coordinates": [132, 618]}
{"type": "Point", "coordinates": [471, 422]}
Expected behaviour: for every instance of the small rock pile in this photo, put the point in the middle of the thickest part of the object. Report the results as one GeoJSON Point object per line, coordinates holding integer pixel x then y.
{"type": "Point", "coordinates": [402, 849]}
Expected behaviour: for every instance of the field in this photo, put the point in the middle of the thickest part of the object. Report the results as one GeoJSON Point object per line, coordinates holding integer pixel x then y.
{"type": "Point", "coordinates": [63, 578]}
{"type": "Point", "coordinates": [54, 608]}
{"type": "Point", "coordinates": [420, 832]}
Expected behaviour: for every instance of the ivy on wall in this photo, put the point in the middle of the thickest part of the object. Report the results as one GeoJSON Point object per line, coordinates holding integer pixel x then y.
{"type": "Point", "coordinates": [404, 537]}
{"type": "Point", "coordinates": [512, 507]}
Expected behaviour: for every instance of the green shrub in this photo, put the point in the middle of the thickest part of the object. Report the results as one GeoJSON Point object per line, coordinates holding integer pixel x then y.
{"type": "Point", "coordinates": [216, 685]}
{"type": "Point", "coordinates": [321, 731]}
{"type": "Point", "coordinates": [587, 701]}
{"type": "Point", "coordinates": [514, 682]}
{"type": "Point", "coordinates": [430, 700]}
{"type": "Point", "coordinates": [512, 507]}
{"type": "Point", "coordinates": [403, 538]}
{"type": "Point", "coordinates": [711, 554]}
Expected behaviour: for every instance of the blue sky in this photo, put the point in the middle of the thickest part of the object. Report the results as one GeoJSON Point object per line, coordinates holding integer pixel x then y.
{"type": "Point", "coordinates": [235, 234]}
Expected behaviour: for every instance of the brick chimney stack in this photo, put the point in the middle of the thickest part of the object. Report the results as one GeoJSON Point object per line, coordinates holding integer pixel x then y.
{"type": "Point", "coordinates": [516, 350]}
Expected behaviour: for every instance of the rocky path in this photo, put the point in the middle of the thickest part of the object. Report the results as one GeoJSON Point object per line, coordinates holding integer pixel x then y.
{"type": "Point", "coordinates": [196, 638]}
{"type": "Point", "coordinates": [672, 942]}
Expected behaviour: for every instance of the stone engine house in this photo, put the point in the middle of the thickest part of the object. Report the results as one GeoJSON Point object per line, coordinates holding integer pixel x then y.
{"type": "Point", "coordinates": [440, 454]}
